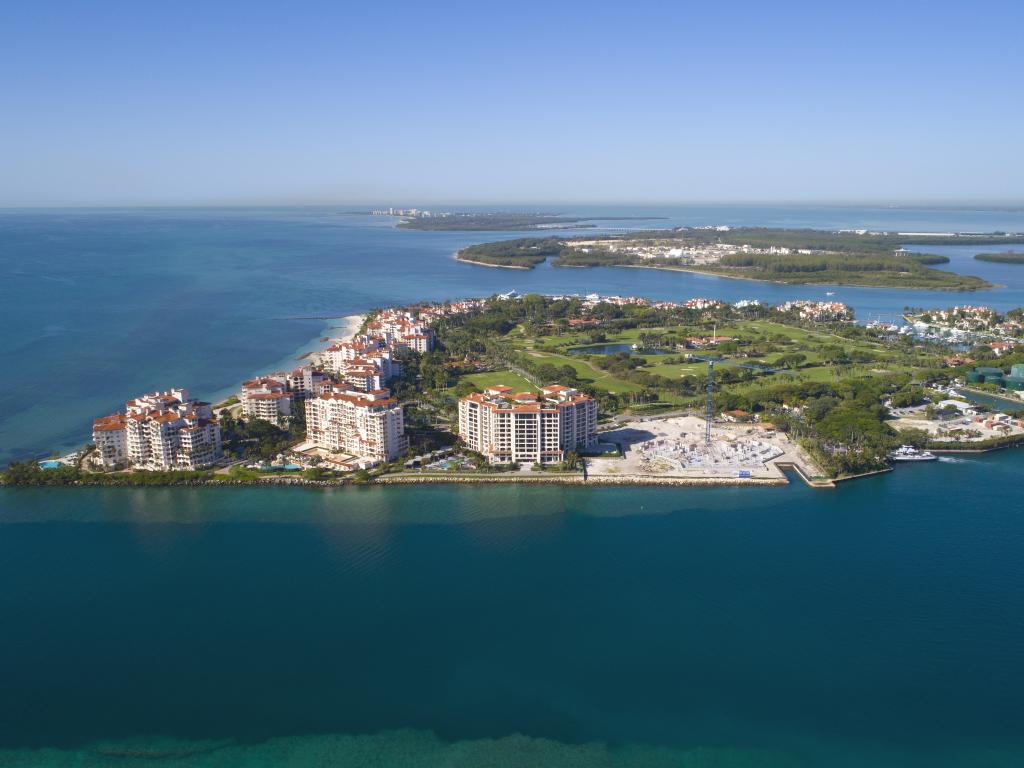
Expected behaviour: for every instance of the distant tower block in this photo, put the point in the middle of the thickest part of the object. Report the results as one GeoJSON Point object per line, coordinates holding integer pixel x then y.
{"type": "Point", "coordinates": [707, 406]}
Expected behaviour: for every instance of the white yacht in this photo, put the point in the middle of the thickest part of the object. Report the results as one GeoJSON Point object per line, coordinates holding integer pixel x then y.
{"type": "Point", "coordinates": [909, 453]}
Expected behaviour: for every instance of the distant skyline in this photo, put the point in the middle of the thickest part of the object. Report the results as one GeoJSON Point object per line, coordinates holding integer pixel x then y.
{"type": "Point", "coordinates": [122, 104]}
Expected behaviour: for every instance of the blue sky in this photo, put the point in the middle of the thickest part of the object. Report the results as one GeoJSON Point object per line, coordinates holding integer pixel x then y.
{"type": "Point", "coordinates": [108, 103]}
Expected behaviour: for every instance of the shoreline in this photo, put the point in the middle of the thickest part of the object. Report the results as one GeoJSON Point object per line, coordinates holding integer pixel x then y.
{"type": "Point", "coordinates": [485, 264]}
{"type": "Point", "coordinates": [988, 287]}
{"type": "Point", "coordinates": [694, 271]}
{"type": "Point", "coordinates": [350, 327]}
{"type": "Point", "coordinates": [310, 351]}
{"type": "Point", "coordinates": [401, 479]}
{"type": "Point", "coordinates": [577, 479]}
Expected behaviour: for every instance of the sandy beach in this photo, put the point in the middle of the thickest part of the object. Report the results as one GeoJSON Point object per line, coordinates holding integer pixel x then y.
{"type": "Point", "coordinates": [349, 327]}
{"type": "Point", "coordinates": [485, 264]}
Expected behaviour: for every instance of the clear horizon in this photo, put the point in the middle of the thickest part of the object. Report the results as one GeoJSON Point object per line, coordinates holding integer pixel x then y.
{"type": "Point", "coordinates": [583, 104]}
{"type": "Point", "coordinates": [455, 205]}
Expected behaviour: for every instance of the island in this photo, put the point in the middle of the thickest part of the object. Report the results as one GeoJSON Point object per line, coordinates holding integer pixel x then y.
{"type": "Point", "coordinates": [792, 256]}
{"type": "Point", "coordinates": [1004, 257]}
{"type": "Point", "coordinates": [585, 390]}
{"type": "Point", "coordinates": [497, 221]}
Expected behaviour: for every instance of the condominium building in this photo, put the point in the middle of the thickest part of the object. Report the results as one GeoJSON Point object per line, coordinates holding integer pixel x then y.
{"type": "Point", "coordinates": [267, 398]}
{"type": "Point", "coordinates": [306, 381]}
{"type": "Point", "coordinates": [362, 375]}
{"type": "Point", "coordinates": [159, 431]}
{"type": "Point", "coordinates": [365, 362]}
{"type": "Point", "coordinates": [366, 424]}
{"type": "Point", "coordinates": [402, 329]}
{"type": "Point", "coordinates": [527, 427]}
{"type": "Point", "coordinates": [108, 434]}
{"type": "Point", "coordinates": [336, 355]}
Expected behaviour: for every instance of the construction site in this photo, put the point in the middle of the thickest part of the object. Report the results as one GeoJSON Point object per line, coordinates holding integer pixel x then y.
{"type": "Point", "coordinates": [677, 447]}
{"type": "Point", "coordinates": [690, 447]}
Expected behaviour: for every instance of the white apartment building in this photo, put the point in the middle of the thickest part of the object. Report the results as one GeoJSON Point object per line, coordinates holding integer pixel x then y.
{"type": "Point", "coordinates": [108, 435]}
{"type": "Point", "coordinates": [366, 363]}
{"type": "Point", "coordinates": [365, 424]}
{"type": "Point", "coordinates": [403, 330]}
{"type": "Point", "coordinates": [336, 355]}
{"type": "Point", "coordinates": [267, 398]}
{"type": "Point", "coordinates": [362, 375]}
{"type": "Point", "coordinates": [526, 427]}
{"type": "Point", "coordinates": [306, 381]}
{"type": "Point", "coordinates": [159, 431]}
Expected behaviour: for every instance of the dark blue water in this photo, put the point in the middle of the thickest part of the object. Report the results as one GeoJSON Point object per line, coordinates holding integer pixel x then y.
{"type": "Point", "coordinates": [96, 307]}
{"type": "Point", "coordinates": [878, 624]}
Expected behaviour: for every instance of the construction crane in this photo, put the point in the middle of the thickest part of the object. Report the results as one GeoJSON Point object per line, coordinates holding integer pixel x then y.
{"type": "Point", "coordinates": [707, 407]}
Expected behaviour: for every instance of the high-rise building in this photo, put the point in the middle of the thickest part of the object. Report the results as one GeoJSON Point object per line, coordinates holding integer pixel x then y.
{"type": "Point", "coordinates": [364, 424]}
{"type": "Point", "coordinates": [159, 431]}
{"type": "Point", "coordinates": [526, 427]}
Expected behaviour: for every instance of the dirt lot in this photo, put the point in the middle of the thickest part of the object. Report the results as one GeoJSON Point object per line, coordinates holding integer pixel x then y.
{"type": "Point", "coordinates": [674, 447]}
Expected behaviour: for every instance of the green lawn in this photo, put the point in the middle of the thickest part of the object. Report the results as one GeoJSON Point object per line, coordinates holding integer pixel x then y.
{"type": "Point", "coordinates": [676, 370]}
{"type": "Point", "coordinates": [746, 330]}
{"type": "Point", "coordinates": [586, 372]}
{"type": "Point", "coordinates": [499, 378]}
{"type": "Point", "coordinates": [788, 340]}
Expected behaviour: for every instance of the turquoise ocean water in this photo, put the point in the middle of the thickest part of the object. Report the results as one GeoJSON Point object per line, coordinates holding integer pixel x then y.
{"type": "Point", "coordinates": [877, 624]}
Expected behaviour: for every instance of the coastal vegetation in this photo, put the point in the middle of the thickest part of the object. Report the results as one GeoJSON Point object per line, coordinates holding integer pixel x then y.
{"type": "Point", "coordinates": [505, 222]}
{"type": "Point", "coordinates": [1005, 257]}
{"type": "Point", "coordinates": [30, 474]}
{"type": "Point", "coordinates": [858, 269]}
{"type": "Point", "coordinates": [524, 253]}
{"type": "Point", "coordinates": [256, 439]}
{"type": "Point", "coordinates": [794, 256]}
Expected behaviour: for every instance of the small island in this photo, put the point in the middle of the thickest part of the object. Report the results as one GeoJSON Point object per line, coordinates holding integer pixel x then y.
{"type": "Point", "coordinates": [621, 387]}
{"type": "Point", "coordinates": [791, 256]}
{"type": "Point", "coordinates": [427, 221]}
{"type": "Point", "coordinates": [1004, 257]}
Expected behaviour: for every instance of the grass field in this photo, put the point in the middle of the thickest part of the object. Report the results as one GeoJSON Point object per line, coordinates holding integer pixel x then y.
{"type": "Point", "coordinates": [766, 341]}
{"type": "Point", "coordinates": [500, 378]}
{"type": "Point", "coordinates": [587, 372]}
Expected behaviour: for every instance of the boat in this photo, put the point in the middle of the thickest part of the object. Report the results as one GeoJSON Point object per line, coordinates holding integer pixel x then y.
{"type": "Point", "coordinates": [909, 453]}
{"type": "Point", "coordinates": [830, 293]}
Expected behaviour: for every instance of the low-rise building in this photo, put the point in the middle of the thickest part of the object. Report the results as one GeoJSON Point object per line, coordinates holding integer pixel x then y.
{"type": "Point", "coordinates": [525, 427]}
